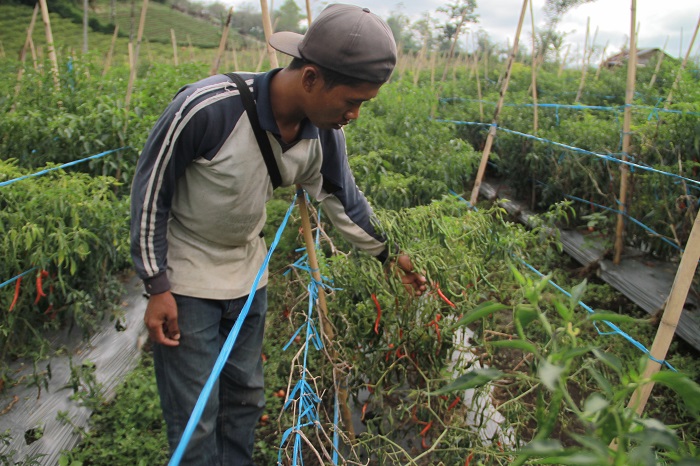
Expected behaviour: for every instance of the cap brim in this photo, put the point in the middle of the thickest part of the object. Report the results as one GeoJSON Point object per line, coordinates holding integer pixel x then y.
{"type": "Point", "coordinates": [287, 42]}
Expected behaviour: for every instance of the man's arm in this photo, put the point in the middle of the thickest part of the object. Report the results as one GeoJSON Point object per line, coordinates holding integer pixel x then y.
{"type": "Point", "coordinates": [350, 212]}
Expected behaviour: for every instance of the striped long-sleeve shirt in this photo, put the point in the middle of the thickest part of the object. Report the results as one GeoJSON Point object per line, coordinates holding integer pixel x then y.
{"type": "Point", "coordinates": [201, 184]}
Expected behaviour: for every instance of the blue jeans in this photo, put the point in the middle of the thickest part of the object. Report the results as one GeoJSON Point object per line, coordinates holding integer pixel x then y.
{"type": "Point", "coordinates": [225, 433]}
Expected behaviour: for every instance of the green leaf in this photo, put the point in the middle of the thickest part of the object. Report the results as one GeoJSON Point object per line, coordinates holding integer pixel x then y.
{"type": "Point", "coordinates": [594, 404]}
{"type": "Point", "coordinates": [482, 310]}
{"type": "Point", "coordinates": [608, 359]}
{"type": "Point", "coordinates": [688, 390]}
{"type": "Point", "coordinates": [655, 432]}
{"type": "Point", "coordinates": [577, 293]}
{"type": "Point", "coordinates": [518, 276]}
{"type": "Point", "coordinates": [563, 311]}
{"type": "Point", "coordinates": [571, 353]}
{"type": "Point", "coordinates": [614, 318]}
{"type": "Point", "coordinates": [525, 314]}
{"type": "Point", "coordinates": [603, 383]}
{"type": "Point", "coordinates": [575, 458]}
{"type": "Point", "coordinates": [542, 447]}
{"type": "Point", "coordinates": [473, 379]}
{"type": "Point", "coordinates": [549, 374]}
{"type": "Point", "coordinates": [516, 344]}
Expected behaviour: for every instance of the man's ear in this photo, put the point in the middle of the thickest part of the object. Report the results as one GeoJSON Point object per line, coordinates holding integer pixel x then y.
{"type": "Point", "coordinates": [311, 78]}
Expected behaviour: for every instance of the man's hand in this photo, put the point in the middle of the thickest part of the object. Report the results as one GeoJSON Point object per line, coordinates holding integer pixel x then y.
{"type": "Point", "coordinates": [411, 278]}
{"type": "Point", "coordinates": [161, 319]}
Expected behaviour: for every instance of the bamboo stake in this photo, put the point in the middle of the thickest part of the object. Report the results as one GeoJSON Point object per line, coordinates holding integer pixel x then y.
{"type": "Point", "coordinates": [433, 59]}
{"type": "Point", "coordinates": [452, 48]}
{"type": "Point", "coordinates": [267, 27]}
{"type": "Point", "coordinates": [478, 87]}
{"type": "Point", "coordinates": [602, 60]}
{"type": "Point", "coordinates": [261, 60]}
{"type": "Point", "coordinates": [23, 52]}
{"type": "Point", "coordinates": [563, 61]}
{"type": "Point", "coordinates": [189, 42]}
{"type": "Point", "coordinates": [110, 53]}
{"type": "Point", "coordinates": [35, 60]}
{"type": "Point", "coordinates": [174, 41]}
{"type": "Point", "coordinates": [534, 79]}
{"type": "Point", "coordinates": [419, 62]}
{"type": "Point", "coordinates": [235, 57]}
{"type": "Point", "coordinates": [626, 136]}
{"type": "Point", "coordinates": [584, 63]}
{"type": "Point", "coordinates": [326, 326]}
{"type": "Point", "coordinates": [671, 316]}
{"type": "Point", "coordinates": [85, 26]}
{"type": "Point", "coordinates": [683, 65]}
{"type": "Point", "coordinates": [135, 58]}
{"type": "Point", "coordinates": [494, 124]}
{"type": "Point", "coordinates": [658, 63]}
{"type": "Point", "coordinates": [49, 42]}
{"type": "Point", "coordinates": [308, 11]}
{"type": "Point", "coordinates": [222, 45]}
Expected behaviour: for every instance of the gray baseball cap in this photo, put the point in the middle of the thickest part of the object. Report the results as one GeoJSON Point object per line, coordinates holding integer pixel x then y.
{"type": "Point", "coordinates": [346, 39]}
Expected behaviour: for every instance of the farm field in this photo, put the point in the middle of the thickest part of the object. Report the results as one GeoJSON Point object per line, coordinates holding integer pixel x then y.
{"type": "Point", "coordinates": [558, 374]}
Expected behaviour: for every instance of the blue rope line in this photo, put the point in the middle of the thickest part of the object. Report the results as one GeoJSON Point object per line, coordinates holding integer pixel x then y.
{"type": "Point", "coordinates": [576, 149]}
{"type": "Point", "coordinates": [654, 110]}
{"type": "Point", "coordinates": [60, 167]}
{"type": "Point", "coordinates": [615, 328]}
{"type": "Point", "coordinates": [14, 279]}
{"type": "Point", "coordinates": [226, 349]}
{"type": "Point", "coordinates": [306, 397]}
{"type": "Point", "coordinates": [336, 436]}
{"type": "Point", "coordinates": [625, 214]}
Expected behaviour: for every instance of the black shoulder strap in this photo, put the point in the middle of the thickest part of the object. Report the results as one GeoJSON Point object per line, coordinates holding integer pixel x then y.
{"type": "Point", "coordinates": [260, 135]}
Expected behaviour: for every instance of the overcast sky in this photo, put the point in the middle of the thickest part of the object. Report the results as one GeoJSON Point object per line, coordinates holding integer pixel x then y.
{"type": "Point", "coordinates": [658, 19]}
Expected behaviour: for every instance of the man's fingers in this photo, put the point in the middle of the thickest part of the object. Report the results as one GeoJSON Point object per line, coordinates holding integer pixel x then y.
{"type": "Point", "coordinates": [173, 330]}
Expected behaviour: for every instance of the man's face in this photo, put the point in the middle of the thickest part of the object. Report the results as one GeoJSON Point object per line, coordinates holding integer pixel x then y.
{"type": "Point", "coordinates": [335, 107]}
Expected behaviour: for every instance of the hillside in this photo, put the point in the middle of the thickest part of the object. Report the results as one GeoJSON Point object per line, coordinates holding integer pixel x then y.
{"type": "Point", "coordinates": [68, 35]}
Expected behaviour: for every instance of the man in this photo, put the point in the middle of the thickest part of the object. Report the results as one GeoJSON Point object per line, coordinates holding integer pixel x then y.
{"type": "Point", "coordinates": [198, 207]}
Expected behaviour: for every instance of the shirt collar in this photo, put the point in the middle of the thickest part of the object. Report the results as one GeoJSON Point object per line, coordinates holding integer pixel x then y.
{"type": "Point", "coordinates": [264, 105]}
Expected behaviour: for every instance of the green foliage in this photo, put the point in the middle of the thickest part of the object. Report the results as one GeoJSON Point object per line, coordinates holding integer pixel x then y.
{"type": "Point", "coordinates": [72, 231]}
{"type": "Point", "coordinates": [128, 431]}
{"type": "Point", "coordinates": [547, 172]}
{"type": "Point", "coordinates": [397, 166]}
{"type": "Point", "coordinates": [582, 391]}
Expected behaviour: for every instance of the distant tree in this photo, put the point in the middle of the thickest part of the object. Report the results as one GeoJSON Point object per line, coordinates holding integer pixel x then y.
{"type": "Point", "coordinates": [247, 20]}
{"type": "Point", "coordinates": [424, 29]}
{"type": "Point", "coordinates": [400, 26]}
{"type": "Point", "coordinates": [288, 17]}
{"type": "Point", "coordinates": [550, 40]}
{"type": "Point", "coordinates": [459, 13]}
{"type": "Point", "coordinates": [218, 12]}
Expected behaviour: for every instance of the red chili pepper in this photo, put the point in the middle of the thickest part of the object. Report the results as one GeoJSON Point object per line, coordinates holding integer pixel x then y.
{"type": "Point", "coordinates": [434, 323]}
{"type": "Point", "coordinates": [454, 403]}
{"type": "Point", "coordinates": [444, 298]}
{"type": "Point", "coordinates": [364, 411]}
{"type": "Point", "coordinates": [423, 444]}
{"type": "Point", "coordinates": [414, 418]}
{"type": "Point", "coordinates": [379, 314]}
{"type": "Point", "coordinates": [50, 312]}
{"type": "Point", "coordinates": [40, 285]}
{"type": "Point", "coordinates": [469, 459]}
{"type": "Point", "coordinates": [14, 300]}
{"type": "Point", "coordinates": [426, 429]}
